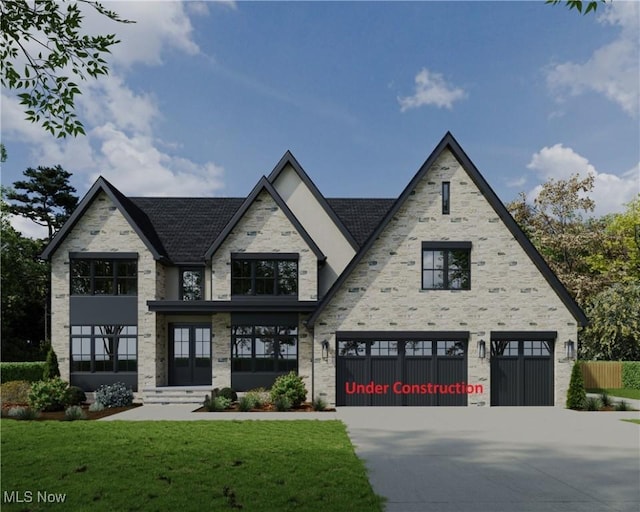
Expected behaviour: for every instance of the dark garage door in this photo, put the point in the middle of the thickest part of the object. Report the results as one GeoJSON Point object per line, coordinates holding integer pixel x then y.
{"type": "Point", "coordinates": [397, 372]}
{"type": "Point", "coordinates": [522, 372]}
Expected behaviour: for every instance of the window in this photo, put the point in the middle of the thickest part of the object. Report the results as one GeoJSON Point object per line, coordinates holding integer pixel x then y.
{"type": "Point", "coordinates": [264, 348]}
{"type": "Point", "coordinates": [104, 348]}
{"type": "Point", "coordinates": [446, 266]}
{"type": "Point", "coordinates": [257, 276]}
{"type": "Point", "coordinates": [191, 284]}
{"type": "Point", "coordinates": [104, 277]}
{"type": "Point", "coordinates": [446, 186]}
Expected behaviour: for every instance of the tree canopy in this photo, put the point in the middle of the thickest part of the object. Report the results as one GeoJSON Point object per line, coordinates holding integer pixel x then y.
{"type": "Point", "coordinates": [579, 5]}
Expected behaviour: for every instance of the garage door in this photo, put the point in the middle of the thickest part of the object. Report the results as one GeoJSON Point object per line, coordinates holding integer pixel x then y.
{"type": "Point", "coordinates": [397, 372]}
{"type": "Point", "coordinates": [522, 372]}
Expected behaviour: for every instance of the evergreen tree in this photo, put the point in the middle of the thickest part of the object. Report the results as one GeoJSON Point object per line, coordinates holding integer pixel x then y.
{"type": "Point", "coordinates": [576, 396]}
{"type": "Point", "coordinates": [51, 369]}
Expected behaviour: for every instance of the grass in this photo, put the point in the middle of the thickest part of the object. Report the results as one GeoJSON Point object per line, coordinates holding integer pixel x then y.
{"type": "Point", "coordinates": [622, 393]}
{"type": "Point", "coordinates": [185, 466]}
{"type": "Point", "coordinates": [633, 421]}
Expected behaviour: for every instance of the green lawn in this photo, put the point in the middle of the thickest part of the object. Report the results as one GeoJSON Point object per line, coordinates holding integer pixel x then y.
{"type": "Point", "coordinates": [623, 393]}
{"type": "Point", "coordinates": [185, 466]}
{"type": "Point", "coordinates": [633, 421]}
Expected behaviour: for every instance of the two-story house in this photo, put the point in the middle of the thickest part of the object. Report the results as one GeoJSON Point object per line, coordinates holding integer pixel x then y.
{"type": "Point", "coordinates": [434, 298]}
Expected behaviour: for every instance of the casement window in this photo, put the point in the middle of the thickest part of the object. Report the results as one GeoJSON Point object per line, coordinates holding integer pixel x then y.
{"type": "Point", "coordinates": [104, 348]}
{"type": "Point", "coordinates": [264, 348]}
{"type": "Point", "coordinates": [446, 265]}
{"type": "Point", "coordinates": [191, 284]}
{"type": "Point", "coordinates": [262, 275]}
{"type": "Point", "coordinates": [446, 197]}
{"type": "Point", "coordinates": [103, 276]}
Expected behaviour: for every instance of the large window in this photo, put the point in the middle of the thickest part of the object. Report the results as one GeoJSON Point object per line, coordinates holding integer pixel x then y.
{"type": "Point", "coordinates": [446, 266]}
{"type": "Point", "coordinates": [104, 348]}
{"type": "Point", "coordinates": [191, 283]}
{"type": "Point", "coordinates": [104, 277]}
{"type": "Point", "coordinates": [264, 348]}
{"type": "Point", "coordinates": [258, 276]}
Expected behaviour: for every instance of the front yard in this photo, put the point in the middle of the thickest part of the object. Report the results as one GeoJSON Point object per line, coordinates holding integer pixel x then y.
{"type": "Point", "coordinates": [185, 466]}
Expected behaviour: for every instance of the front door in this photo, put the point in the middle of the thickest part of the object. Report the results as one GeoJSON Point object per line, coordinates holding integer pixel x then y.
{"type": "Point", "coordinates": [189, 355]}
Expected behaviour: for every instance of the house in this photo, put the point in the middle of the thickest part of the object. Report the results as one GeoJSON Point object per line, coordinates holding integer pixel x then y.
{"type": "Point", "coordinates": [434, 298]}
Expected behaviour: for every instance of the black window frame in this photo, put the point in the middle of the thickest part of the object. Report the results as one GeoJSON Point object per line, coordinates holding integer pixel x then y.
{"type": "Point", "coordinates": [93, 277]}
{"type": "Point", "coordinates": [94, 333]}
{"type": "Point", "coordinates": [446, 197]}
{"type": "Point", "coordinates": [253, 260]}
{"type": "Point", "coordinates": [181, 271]}
{"type": "Point", "coordinates": [255, 367]}
{"type": "Point", "coordinates": [446, 248]}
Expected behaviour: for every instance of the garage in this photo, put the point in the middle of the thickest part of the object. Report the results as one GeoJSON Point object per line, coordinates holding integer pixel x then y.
{"type": "Point", "coordinates": [522, 368]}
{"type": "Point", "coordinates": [401, 369]}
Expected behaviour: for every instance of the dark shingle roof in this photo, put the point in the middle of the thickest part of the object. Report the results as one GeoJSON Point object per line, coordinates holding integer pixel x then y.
{"type": "Point", "coordinates": [185, 227]}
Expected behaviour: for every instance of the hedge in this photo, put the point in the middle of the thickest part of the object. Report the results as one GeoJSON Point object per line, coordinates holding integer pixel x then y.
{"type": "Point", "coordinates": [30, 371]}
{"type": "Point", "coordinates": [631, 374]}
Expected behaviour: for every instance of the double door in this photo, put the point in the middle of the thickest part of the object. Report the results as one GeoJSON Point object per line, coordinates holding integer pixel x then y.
{"type": "Point", "coordinates": [189, 354]}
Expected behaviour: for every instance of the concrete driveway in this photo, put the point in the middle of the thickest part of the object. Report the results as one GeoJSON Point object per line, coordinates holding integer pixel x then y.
{"type": "Point", "coordinates": [499, 459]}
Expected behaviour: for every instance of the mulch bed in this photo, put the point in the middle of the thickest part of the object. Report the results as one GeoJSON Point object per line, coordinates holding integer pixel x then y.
{"type": "Point", "coordinates": [305, 407]}
{"type": "Point", "coordinates": [59, 415]}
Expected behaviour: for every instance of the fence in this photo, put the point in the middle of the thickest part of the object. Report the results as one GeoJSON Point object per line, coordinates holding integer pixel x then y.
{"type": "Point", "coordinates": [602, 374]}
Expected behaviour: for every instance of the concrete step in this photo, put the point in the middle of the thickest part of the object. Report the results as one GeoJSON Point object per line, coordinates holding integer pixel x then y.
{"type": "Point", "coordinates": [175, 395]}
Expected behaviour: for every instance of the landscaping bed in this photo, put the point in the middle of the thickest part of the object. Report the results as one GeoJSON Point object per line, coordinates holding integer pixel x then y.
{"type": "Point", "coordinates": [305, 407]}
{"type": "Point", "coordinates": [60, 415]}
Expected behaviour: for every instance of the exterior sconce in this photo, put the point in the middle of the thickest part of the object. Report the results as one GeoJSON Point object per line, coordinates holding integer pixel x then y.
{"type": "Point", "coordinates": [570, 349]}
{"type": "Point", "coordinates": [325, 349]}
{"type": "Point", "coordinates": [482, 349]}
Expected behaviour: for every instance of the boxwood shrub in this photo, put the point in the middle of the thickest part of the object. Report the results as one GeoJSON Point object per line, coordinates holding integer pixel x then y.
{"type": "Point", "coordinates": [631, 374]}
{"type": "Point", "coordinates": [49, 395]}
{"type": "Point", "coordinates": [30, 371]}
{"type": "Point", "coordinates": [291, 387]}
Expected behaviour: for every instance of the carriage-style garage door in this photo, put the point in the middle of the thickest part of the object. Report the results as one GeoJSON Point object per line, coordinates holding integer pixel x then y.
{"type": "Point", "coordinates": [395, 369]}
{"type": "Point", "coordinates": [522, 369]}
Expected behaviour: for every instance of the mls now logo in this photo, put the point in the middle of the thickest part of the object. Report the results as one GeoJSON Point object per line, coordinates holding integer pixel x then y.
{"type": "Point", "coordinates": [28, 497]}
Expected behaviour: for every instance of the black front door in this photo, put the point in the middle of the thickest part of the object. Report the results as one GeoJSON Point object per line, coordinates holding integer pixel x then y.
{"type": "Point", "coordinates": [189, 354]}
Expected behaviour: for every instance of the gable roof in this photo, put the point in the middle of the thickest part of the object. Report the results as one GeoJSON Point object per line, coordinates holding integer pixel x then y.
{"type": "Point", "coordinates": [289, 159]}
{"type": "Point", "coordinates": [136, 218]}
{"type": "Point", "coordinates": [263, 185]}
{"type": "Point", "coordinates": [360, 215]}
{"type": "Point", "coordinates": [449, 142]}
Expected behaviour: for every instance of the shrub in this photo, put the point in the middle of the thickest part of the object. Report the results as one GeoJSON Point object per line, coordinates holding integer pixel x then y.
{"type": "Point", "coordinates": [259, 397]}
{"type": "Point", "coordinates": [605, 399]}
{"type": "Point", "coordinates": [23, 413]}
{"type": "Point", "coordinates": [49, 395]}
{"type": "Point", "coordinates": [226, 393]}
{"type": "Point", "coordinates": [51, 370]}
{"type": "Point", "coordinates": [319, 404]}
{"type": "Point", "coordinates": [282, 403]}
{"type": "Point", "coordinates": [114, 395]}
{"type": "Point", "coordinates": [592, 404]}
{"type": "Point", "coordinates": [216, 403]}
{"type": "Point", "coordinates": [631, 374]}
{"type": "Point", "coordinates": [75, 396]}
{"type": "Point", "coordinates": [30, 371]}
{"type": "Point", "coordinates": [576, 395]}
{"type": "Point", "coordinates": [622, 406]}
{"type": "Point", "coordinates": [96, 407]}
{"type": "Point", "coordinates": [291, 387]}
{"type": "Point", "coordinates": [15, 392]}
{"type": "Point", "coordinates": [73, 413]}
{"type": "Point", "coordinates": [246, 403]}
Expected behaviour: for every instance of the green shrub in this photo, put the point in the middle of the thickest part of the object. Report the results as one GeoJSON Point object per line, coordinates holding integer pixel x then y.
{"type": "Point", "coordinates": [291, 387]}
{"type": "Point", "coordinates": [576, 395]}
{"type": "Point", "coordinates": [73, 413]}
{"type": "Point", "coordinates": [631, 374]}
{"type": "Point", "coordinates": [75, 396]}
{"type": "Point", "coordinates": [49, 395]}
{"type": "Point", "coordinates": [30, 371]}
{"type": "Point", "coordinates": [246, 403]}
{"type": "Point", "coordinates": [259, 397]}
{"type": "Point", "coordinates": [23, 413]}
{"type": "Point", "coordinates": [114, 395]}
{"type": "Point", "coordinates": [622, 406]}
{"type": "Point", "coordinates": [592, 404]}
{"type": "Point", "coordinates": [96, 407]}
{"type": "Point", "coordinates": [319, 404]}
{"type": "Point", "coordinates": [51, 370]}
{"type": "Point", "coordinates": [605, 399]}
{"type": "Point", "coordinates": [15, 392]}
{"type": "Point", "coordinates": [216, 403]}
{"type": "Point", "coordinates": [282, 403]}
{"type": "Point", "coordinates": [225, 393]}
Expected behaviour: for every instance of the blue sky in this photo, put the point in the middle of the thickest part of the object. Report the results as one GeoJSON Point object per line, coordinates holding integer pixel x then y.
{"type": "Point", "coordinates": [204, 98]}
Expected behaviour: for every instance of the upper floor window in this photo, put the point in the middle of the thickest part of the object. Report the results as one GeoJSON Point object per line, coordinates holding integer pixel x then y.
{"type": "Point", "coordinates": [191, 284]}
{"type": "Point", "coordinates": [102, 276]}
{"type": "Point", "coordinates": [446, 265]}
{"type": "Point", "coordinates": [260, 275]}
{"type": "Point", "coordinates": [446, 203]}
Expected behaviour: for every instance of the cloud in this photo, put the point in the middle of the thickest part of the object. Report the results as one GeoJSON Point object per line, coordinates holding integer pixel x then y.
{"type": "Point", "coordinates": [613, 69]}
{"type": "Point", "coordinates": [610, 191]}
{"type": "Point", "coordinates": [431, 89]}
{"type": "Point", "coordinates": [27, 227]}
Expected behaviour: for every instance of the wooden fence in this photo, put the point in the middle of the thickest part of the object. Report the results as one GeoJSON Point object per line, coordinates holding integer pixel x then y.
{"type": "Point", "coordinates": [602, 374]}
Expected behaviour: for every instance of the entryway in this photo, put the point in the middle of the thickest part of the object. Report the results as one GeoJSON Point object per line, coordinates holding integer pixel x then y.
{"type": "Point", "coordinates": [189, 354]}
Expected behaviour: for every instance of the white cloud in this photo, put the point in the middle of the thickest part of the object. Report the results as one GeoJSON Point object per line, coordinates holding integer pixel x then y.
{"type": "Point", "coordinates": [28, 227]}
{"type": "Point", "coordinates": [431, 89]}
{"type": "Point", "coordinates": [610, 191]}
{"type": "Point", "coordinates": [613, 70]}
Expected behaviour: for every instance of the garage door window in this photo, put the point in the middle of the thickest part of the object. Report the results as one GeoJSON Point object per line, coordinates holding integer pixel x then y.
{"type": "Point", "coordinates": [450, 348]}
{"type": "Point", "coordinates": [352, 348]}
{"type": "Point", "coordinates": [536, 348]}
{"type": "Point", "coordinates": [384, 348]}
{"type": "Point", "coordinates": [418, 348]}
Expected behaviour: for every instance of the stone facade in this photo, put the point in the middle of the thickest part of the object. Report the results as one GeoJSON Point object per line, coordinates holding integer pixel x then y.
{"type": "Point", "coordinates": [508, 293]}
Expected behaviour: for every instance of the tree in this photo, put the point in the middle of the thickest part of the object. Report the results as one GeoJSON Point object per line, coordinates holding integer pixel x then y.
{"type": "Point", "coordinates": [589, 6]}
{"type": "Point", "coordinates": [41, 41]}
{"type": "Point", "coordinates": [51, 369]}
{"type": "Point", "coordinates": [46, 197]}
{"type": "Point", "coordinates": [614, 329]}
{"type": "Point", "coordinates": [576, 395]}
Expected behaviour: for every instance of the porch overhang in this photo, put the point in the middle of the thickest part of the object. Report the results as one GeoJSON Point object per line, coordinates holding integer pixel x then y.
{"type": "Point", "coordinates": [207, 307]}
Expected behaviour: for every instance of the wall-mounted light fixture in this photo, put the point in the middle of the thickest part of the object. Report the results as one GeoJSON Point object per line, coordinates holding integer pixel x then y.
{"type": "Point", "coordinates": [482, 349]}
{"type": "Point", "coordinates": [325, 349]}
{"type": "Point", "coordinates": [570, 349]}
